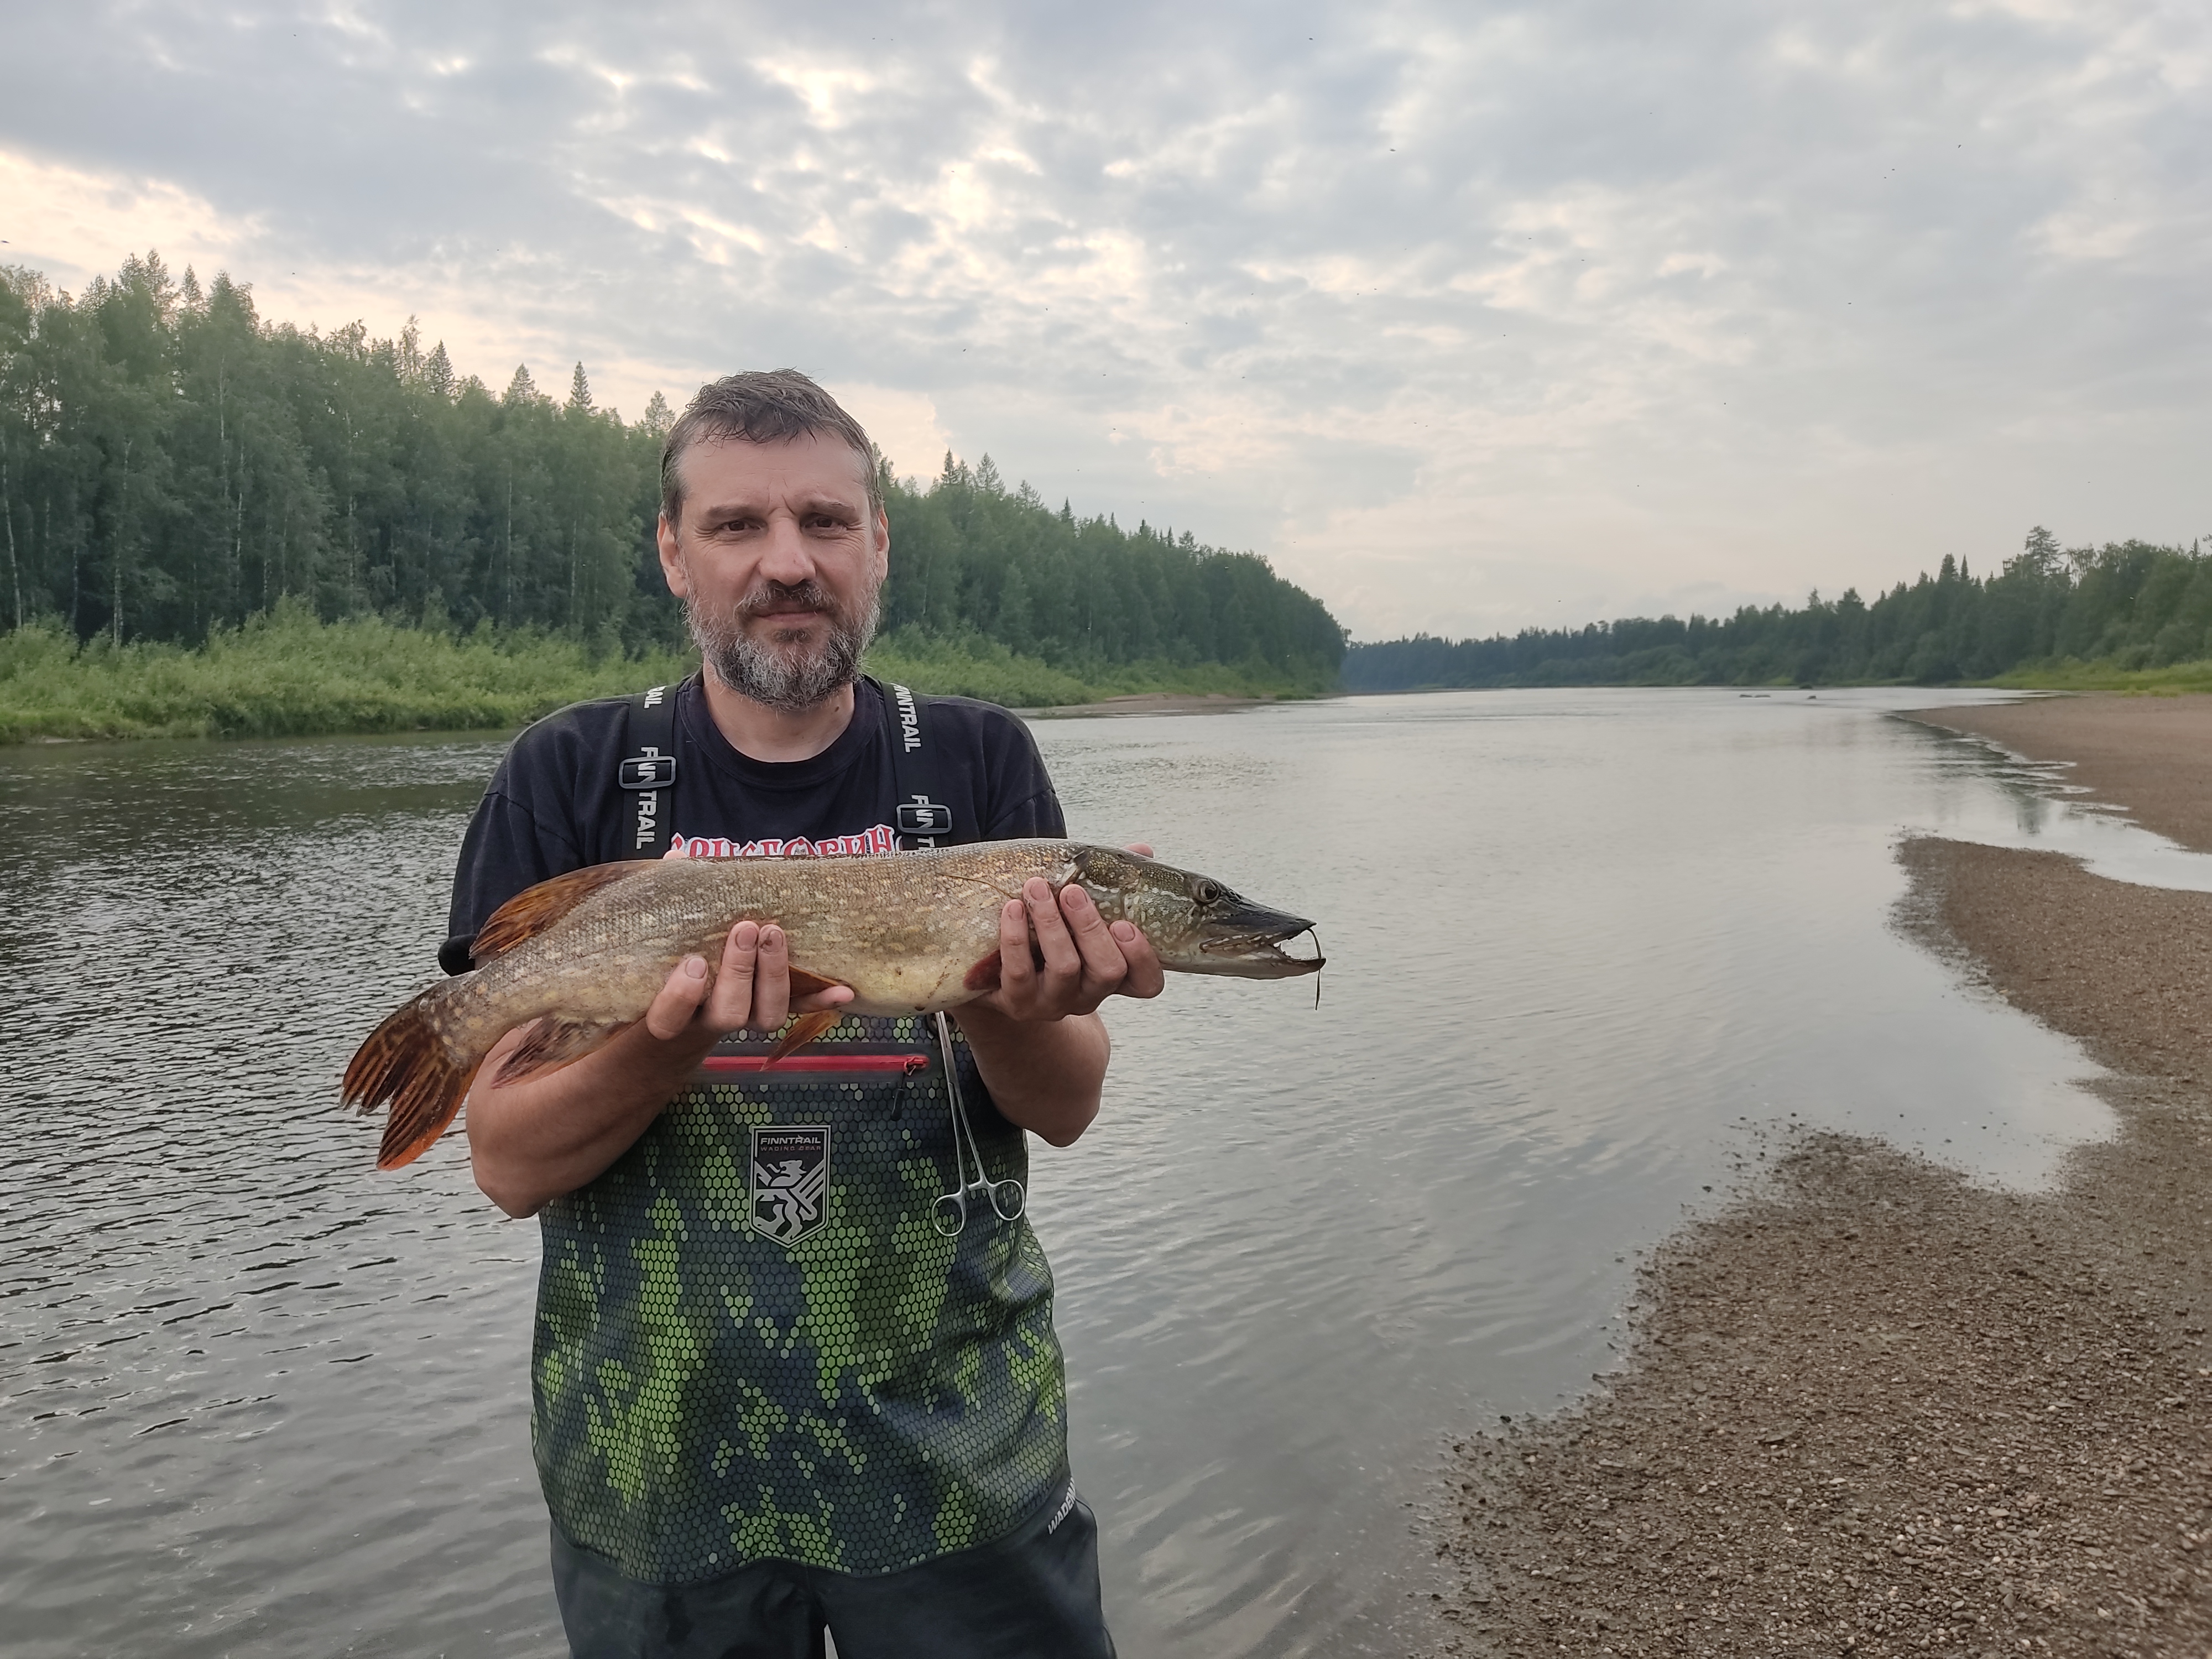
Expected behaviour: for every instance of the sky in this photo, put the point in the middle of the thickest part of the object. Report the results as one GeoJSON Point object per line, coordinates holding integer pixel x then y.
{"type": "Point", "coordinates": [1467, 317]}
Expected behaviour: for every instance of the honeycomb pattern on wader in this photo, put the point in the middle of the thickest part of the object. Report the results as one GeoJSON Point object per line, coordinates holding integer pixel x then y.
{"type": "Point", "coordinates": [864, 1397]}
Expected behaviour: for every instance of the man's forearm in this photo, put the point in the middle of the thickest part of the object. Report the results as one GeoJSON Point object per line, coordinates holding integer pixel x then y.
{"type": "Point", "coordinates": [532, 1140]}
{"type": "Point", "coordinates": [1046, 1076]}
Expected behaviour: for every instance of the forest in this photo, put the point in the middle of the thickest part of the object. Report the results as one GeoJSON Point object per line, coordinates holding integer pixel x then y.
{"type": "Point", "coordinates": [173, 464]}
{"type": "Point", "coordinates": [2132, 608]}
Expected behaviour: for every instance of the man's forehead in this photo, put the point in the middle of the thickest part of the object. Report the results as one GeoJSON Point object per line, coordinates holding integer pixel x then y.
{"type": "Point", "coordinates": [810, 467]}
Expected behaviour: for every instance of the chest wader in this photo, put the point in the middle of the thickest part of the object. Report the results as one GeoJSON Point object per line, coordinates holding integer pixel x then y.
{"type": "Point", "coordinates": [752, 1341]}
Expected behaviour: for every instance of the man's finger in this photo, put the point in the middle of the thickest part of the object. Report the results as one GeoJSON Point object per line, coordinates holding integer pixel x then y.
{"type": "Point", "coordinates": [1145, 977]}
{"type": "Point", "coordinates": [677, 849]}
{"type": "Point", "coordinates": [1063, 963]}
{"type": "Point", "coordinates": [1017, 967]}
{"type": "Point", "coordinates": [1103, 963]}
{"type": "Point", "coordinates": [833, 996]}
{"type": "Point", "coordinates": [679, 998]}
{"type": "Point", "coordinates": [734, 984]}
{"type": "Point", "coordinates": [771, 980]}
{"type": "Point", "coordinates": [1142, 849]}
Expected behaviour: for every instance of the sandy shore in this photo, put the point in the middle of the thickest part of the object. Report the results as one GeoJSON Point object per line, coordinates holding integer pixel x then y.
{"type": "Point", "coordinates": [2151, 755]}
{"type": "Point", "coordinates": [1876, 1410]}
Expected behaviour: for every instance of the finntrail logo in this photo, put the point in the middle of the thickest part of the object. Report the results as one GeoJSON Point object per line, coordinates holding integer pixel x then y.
{"type": "Point", "coordinates": [790, 1181]}
{"type": "Point", "coordinates": [909, 722]}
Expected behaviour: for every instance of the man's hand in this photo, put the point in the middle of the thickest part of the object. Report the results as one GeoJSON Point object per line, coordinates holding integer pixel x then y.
{"type": "Point", "coordinates": [1078, 958]}
{"type": "Point", "coordinates": [749, 991]}
{"type": "Point", "coordinates": [1037, 1039]}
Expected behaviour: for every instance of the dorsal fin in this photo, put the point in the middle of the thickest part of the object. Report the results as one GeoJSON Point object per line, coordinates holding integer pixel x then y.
{"type": "Point", "coordinates": [534, 909]}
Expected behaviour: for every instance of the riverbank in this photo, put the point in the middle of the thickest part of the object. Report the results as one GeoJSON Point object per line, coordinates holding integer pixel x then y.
{"type": "Point", "coordinates": [289, 674]}
{"type": "Point", "coordinates": [1875, 1409]}
{"type": "Point", "coordinates": [1151, 703]}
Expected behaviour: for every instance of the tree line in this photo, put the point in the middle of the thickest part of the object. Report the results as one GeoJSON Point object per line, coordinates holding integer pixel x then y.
{"type": "Point", "coordinates": [2132, 604]}
{"type": "Point", "coordinates": [171, 465]}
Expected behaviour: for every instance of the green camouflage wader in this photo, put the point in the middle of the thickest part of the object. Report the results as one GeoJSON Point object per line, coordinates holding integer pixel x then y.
{"type": "Point", "coordinates": [751, 1342]}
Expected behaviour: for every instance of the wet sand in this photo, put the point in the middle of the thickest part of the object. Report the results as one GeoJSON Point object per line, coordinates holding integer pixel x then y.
{"type": "Point", "coordinates": [1873, 1409]}
{"type": "Point", "coordinates": [2150, 755]}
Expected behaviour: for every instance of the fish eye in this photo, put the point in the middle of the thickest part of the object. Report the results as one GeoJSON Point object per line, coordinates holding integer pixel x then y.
{"type": "Point", "coordinates": [1204, 891]}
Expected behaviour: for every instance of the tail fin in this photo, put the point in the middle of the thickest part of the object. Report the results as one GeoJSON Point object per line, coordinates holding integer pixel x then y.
{"type": "Point", "coordinates": [406, 1062]}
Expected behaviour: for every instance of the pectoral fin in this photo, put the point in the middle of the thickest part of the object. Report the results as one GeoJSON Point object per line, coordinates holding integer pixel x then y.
{"type": "Point", "coordinates": [804, 984]}
{"type": "Point", "coordinates": [554, 1043]}
{"type": "Point", "coordinates": [807, 1027]}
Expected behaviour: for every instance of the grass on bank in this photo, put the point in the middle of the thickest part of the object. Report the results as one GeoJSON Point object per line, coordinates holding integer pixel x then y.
{"type": "Point", "coordinates": [2071, 674]}
{"type": "Point", "coordinates": [288, 674]}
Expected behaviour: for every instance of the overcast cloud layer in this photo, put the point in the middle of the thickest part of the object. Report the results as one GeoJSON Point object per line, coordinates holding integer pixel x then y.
{"type": "Point", "coordinates": [1466, 317]}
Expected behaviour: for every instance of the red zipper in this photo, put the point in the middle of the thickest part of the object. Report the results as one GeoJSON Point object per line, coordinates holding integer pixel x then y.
{"type": "Point", "coordinates": [907, 1063]}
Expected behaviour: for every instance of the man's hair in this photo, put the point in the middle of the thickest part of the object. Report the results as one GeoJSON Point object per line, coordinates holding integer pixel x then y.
{"type": "Point", "coordinates": [761, 406]}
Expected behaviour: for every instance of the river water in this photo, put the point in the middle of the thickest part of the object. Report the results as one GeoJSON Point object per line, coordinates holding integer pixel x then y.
{"type": "Point", "coordinates": [1587, 949]}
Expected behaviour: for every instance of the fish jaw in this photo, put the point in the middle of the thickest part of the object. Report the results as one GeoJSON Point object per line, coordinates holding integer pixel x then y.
{"type": "Point", "coordinates": [1195, 924]}
{"type": "Point", "coordinates": [1248, 943]}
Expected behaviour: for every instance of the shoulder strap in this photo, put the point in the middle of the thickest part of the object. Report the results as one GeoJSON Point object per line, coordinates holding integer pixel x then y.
{"type": "Point", "coordinates": [648, 768]}
{"type": "Point", "coordinates": [921, 821]}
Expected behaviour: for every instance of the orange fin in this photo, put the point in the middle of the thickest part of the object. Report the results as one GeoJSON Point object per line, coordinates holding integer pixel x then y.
{"type": "Point", "coordinates": [805, 1029]}
{"type": "Point", "coordinates": [534, 909]}
{"type": "Point", "coordinates": [554, 1043]}
{"type": "Point", "coordinates": [986, 974]}
{"type": "Point", "coordinates": [406, 1062]}
{"type": "Point", "coordinates": [804, 984]}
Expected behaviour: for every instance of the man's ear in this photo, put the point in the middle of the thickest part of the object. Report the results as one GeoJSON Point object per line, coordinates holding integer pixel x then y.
{"type": "Point", "coordinates": [883, 544]}
{"type": "Point", "coordinates": [671, 559]}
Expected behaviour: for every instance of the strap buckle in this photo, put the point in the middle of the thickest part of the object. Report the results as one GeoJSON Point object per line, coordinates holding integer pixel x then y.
{"type": "Point", "coordinates": [923, 817]}
{"type": "Point", "coordinates": [650, 770]}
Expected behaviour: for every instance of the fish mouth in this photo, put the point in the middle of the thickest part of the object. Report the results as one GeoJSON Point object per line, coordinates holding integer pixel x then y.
{"type": "Point", "coordinates": [1249, 944]}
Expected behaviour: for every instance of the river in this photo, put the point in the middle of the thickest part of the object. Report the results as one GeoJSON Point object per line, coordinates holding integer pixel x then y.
{"type": "Point", "coordinates": [1589, 950]}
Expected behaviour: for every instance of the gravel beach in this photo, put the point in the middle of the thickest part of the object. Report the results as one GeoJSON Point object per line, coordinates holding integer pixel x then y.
{"type": "Point", "coordinates": [1873, 1409]}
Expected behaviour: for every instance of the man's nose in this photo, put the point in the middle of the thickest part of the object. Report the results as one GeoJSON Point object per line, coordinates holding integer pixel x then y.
{"type": "Point", "coordinates": [787, 558]}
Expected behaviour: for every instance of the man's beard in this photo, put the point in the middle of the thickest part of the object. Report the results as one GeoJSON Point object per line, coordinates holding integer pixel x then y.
{"type": "Point", "coordinates": [785, 674]}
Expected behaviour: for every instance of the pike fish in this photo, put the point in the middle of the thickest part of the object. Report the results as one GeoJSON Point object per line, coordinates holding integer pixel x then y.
{"type": "Point", "coordinates": [580, 957]}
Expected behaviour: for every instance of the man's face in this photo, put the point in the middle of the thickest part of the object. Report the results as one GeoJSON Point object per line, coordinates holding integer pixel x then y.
{"type": "Point", "coordinates": [779, 561]}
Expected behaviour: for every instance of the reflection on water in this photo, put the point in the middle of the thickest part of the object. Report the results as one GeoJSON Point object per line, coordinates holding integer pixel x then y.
{"type": "Point", "coordinates": [257, 1400]}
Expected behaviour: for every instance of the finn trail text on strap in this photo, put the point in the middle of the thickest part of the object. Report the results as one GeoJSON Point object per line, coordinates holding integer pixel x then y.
{"type": "Point", "coordinates": [650, 773]}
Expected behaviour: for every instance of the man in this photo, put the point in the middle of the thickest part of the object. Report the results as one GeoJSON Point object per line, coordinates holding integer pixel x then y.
{"type": "Point", "coordinates": [768, 1394]}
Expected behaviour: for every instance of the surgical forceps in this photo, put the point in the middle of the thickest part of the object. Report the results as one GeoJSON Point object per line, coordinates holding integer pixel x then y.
{"type": "Point", "coordinates": [1007, 1199]}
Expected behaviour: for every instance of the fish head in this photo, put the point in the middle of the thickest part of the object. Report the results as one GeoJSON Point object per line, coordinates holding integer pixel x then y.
{"type": "Point", "coordinates": [1196, 925]}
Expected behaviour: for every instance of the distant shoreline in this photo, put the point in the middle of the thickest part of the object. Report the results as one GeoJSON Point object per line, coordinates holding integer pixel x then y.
{"type": "Point", "coordinates": [1877, 1408]}
{"type": "Point", "coordinates": [1151, 703]}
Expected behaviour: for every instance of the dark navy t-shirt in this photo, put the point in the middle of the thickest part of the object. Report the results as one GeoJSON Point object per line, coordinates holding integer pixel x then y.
{"type": "Point", "coordinates": [556, 802]}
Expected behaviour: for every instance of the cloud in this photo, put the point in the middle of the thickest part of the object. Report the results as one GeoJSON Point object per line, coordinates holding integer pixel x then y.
{"type": "Point", "coordinates": [1465, 316]}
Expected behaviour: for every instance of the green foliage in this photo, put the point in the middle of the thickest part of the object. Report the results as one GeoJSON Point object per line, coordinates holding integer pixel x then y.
{"type": "Point", "coordinates": [172, 467]}
{"type": "Point", "coordinates": [2075, 618]}
{"type": "Point", "coordinates": [2071, 675]}
{"type": "Point", "coordinates": [1102, 604]}
{"type": "Point", "coordinates": [289, 674]}
{"type": "Point", "coordinates": [969, 665]}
